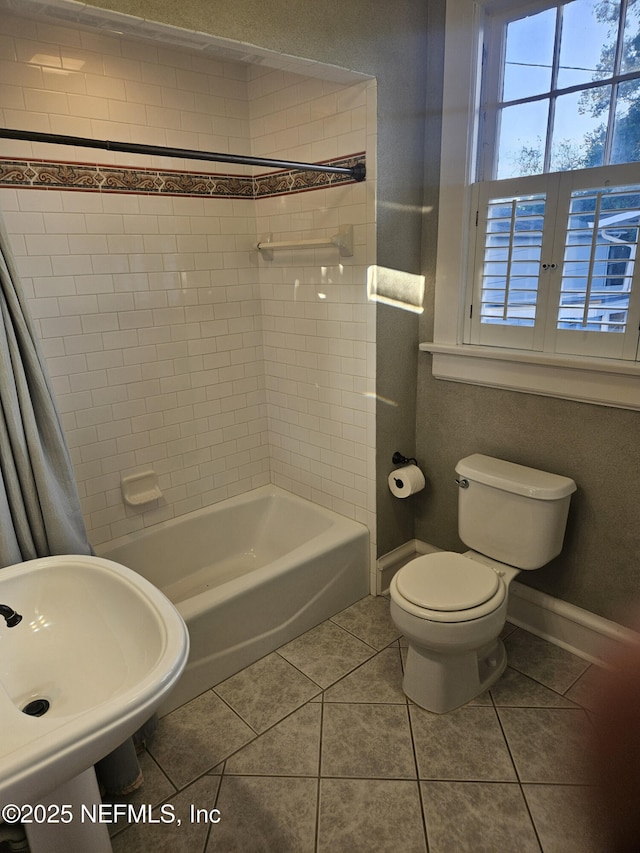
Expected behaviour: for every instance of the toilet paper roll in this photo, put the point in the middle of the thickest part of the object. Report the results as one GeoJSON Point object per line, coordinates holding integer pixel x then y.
{"type": "Point", "coordinates": [406, 481]}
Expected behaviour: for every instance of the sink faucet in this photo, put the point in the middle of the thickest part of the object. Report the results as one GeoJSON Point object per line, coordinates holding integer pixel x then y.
{"type": "Point", "coordinates": [10, 616]}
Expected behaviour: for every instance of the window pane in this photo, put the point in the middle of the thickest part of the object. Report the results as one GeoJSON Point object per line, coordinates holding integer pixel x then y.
{"type": "Point", "coordinates": [523, 130]}
{"type": "Point", "coordinates": [510, 284]}
{"type": "Point", "coordinates": [631, 43]}
{"type": "Point", "coordinates": [576, 140]}
{"type": "Point", "coordinates": [626, 132]}
{"type": "Point", "coordinates": [529, 56]}
{"type": "Point", "coordinates": [600, 249]}
{"type": "Point", "coordinates": [587, 45]}
{"type": "Point", "coordinates": [620, 199]}
{"type": "Point", "coordinates": [578, 253]}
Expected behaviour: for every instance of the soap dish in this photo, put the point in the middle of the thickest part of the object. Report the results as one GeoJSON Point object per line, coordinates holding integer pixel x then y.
{"type": "Point", "coordinates": [140, 489]}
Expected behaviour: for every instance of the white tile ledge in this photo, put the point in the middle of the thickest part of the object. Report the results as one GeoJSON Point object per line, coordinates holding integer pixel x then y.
{"type": "Point", "coordinates": [601, 381]}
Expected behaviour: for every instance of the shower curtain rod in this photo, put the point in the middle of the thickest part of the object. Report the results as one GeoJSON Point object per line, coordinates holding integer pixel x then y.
{"type": "Point", "coordinates": [357, 172]}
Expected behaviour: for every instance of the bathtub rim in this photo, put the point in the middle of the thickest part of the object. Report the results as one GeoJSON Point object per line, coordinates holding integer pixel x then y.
{"type": "Point", "coordinates": [341, 530]}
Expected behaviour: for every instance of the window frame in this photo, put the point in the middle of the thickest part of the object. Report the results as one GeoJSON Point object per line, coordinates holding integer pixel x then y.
{"type": "Point", "coordinates": [603, 381]}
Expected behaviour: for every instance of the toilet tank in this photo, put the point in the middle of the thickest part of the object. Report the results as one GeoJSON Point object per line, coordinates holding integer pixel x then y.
{"type": "Point", "coordinates": [511, 513]}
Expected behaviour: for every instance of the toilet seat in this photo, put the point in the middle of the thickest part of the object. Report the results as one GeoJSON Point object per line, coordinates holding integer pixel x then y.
{"type": "Point", "coordinates": [447, 587]}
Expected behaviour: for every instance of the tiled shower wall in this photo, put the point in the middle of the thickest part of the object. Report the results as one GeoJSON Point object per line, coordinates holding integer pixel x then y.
{"type": "Point", "coordinates": [318, 328]}
{"type": "Point", "coordinates": [171, 343]}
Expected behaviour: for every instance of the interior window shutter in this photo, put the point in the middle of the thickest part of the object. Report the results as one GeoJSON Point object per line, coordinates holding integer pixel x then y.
{"type": "Point", "coordinates": [598, 305]}
{"type": "Point", "coordinates": [513, 249]}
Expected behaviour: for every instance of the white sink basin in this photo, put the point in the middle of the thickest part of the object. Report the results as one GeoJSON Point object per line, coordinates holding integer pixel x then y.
{"type": "Point", "coordinates": [99, 643]}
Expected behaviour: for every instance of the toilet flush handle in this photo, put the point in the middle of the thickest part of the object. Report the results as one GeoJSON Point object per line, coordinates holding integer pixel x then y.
{"type": "Point", "coordinates": [462, 482]}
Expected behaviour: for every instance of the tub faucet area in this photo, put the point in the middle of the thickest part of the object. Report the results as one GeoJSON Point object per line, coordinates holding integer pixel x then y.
{"type": "Point", "coordinates": [10, 616]}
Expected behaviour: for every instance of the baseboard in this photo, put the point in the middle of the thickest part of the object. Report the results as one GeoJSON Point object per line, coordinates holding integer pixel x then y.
{"type": "Point", "coordinates": [390, 563]}
{"type": "Point", "coordinates": [580, 632]}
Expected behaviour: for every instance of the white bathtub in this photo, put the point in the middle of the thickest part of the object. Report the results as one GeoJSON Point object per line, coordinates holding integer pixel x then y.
{"type": "Point", "coordinates": [248, 574]}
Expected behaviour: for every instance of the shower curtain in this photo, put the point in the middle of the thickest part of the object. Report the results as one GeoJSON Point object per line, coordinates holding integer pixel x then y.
{"type": "Point", "coordinates": [39, 506]}
{"type": "Point", "coordinates": [40, 512]}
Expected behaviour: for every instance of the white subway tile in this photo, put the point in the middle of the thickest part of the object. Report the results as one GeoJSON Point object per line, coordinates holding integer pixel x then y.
{"type": "Point", "coordinates": [61, 326]}
{"type": "Point", "coordinates": [174, 280]}
{"type": "Point", "coordinates": [87, 106]}
{"type": "Point", "coordinates": [120, 339]}
{"type": "Point", "coordinates": [90, 380]}
{"type": "Point", "coordinates": [101, 359]}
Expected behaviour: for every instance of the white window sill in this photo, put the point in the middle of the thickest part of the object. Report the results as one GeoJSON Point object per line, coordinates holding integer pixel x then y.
{"type": "Point", "coordinates": [604, 382]}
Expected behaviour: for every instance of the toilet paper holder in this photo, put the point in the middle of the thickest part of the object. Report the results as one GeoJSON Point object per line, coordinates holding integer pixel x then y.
{"type": "Point", "coordinates": [399, 459]}
{"type": "Point", "coordinates": [406, 478]}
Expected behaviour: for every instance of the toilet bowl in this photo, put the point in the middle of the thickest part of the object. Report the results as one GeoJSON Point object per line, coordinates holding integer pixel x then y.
{"type": "Point", "coordinates": [452, 629]}
{"type": "Point", "coordinates": [452, 607]}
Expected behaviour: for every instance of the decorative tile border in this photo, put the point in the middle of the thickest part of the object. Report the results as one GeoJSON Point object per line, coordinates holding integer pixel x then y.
{"type": "Point", "coordinates": [60, 175]}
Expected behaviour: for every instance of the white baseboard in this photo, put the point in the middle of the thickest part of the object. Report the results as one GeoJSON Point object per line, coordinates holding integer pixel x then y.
{"type": "Point", "coordinates": [580, 632]}
{"type": "Point", "coordinates": [390, 563]}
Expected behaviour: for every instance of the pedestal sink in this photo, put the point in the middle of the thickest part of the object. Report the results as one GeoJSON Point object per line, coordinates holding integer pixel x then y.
{"type": "Point", "coordinates": [98, 648]}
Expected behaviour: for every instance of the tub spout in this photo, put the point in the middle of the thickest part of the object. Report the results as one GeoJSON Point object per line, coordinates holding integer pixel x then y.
{"type": "Point", "coordinates": [10, 616]}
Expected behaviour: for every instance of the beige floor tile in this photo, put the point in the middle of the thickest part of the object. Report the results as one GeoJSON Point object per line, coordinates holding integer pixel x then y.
{"type": "Point", "coordinates": [326, 653]}
{"type": "Point", "coordinates": [483, 817]}
{"type": "Point", "coordinates": [367, 741]}
{"type": "Point", "coordinates": [566, 818]}
{"type": "Point", "coordinates": [465, 745]}
{"type": "Point", "coordinates": [377, 680]}
{"type": "Point", "coordinates": [550, 665]}
{"type": "Point", "coordinates": [262, 814]}
{"type": "Point", "coordinates": [197, 736]}
{"type": "Point", "coordinates": [175, 832]}
{"type": "Point", "coordinates": [369, 619]}
{"type": "Point", "coordinates": [291, 748]}
{"type": "Point", "coordinates": [370, 816]}
{"type": "Point", "coordinates": [266, 692]}
{"type": "Point", "coordinates": [548, 744]}
{"type": "Point", "coordinates": [513, 689]}
{"type": "Point", "coordinates": [586, 689]}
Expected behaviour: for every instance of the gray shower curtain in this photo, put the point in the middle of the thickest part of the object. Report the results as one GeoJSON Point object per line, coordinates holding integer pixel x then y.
{"type": "Point", "coordinates": [39, 506]}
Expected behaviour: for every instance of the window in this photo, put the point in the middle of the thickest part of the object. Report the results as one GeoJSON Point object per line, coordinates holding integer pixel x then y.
{"type": "Point", "coordinates": [561, 88]}
{"type": "Point", "coordinates": [540, 198]}
{"type": "Point", "coordinates": [560, 94]}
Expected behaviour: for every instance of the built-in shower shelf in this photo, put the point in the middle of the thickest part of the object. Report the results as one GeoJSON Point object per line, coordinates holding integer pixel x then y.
{"type": "Point", "coordinates": [343, 241]}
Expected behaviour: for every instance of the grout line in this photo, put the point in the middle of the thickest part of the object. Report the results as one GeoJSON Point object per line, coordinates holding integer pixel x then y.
{"type": "Point", "coordinates": [533, 823]}
{"type": "Point", "coordinates": [237, 713]}
{"type": "Point", "coordinates": [506, 741]}
{"type": "Point", "coordinates": [319, 777]}
{"type": "Point", "coordinates": [210, 827]}
{"type": "Point", "coordinates": [417, 768]}
{"type": "Point", "coordinates": [578, 678]}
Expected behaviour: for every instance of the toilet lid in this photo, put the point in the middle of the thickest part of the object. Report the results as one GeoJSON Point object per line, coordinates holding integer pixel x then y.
{"type": "Point", "coordinates": [447, 581]}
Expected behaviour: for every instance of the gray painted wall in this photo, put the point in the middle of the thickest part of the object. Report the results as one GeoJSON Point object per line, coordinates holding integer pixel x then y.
{"type": "Point", "coordinates": [598, 446]}
{"type": "Point", "coordinates": [439, 422]}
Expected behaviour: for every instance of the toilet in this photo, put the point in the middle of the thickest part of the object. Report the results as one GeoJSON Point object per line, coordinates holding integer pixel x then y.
{"type": "Point", "coordinates": [452, 607]}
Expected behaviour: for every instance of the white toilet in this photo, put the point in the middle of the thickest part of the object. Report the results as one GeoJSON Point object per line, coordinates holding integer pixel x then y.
{"type": "Point", "coordinates": [451, 607]}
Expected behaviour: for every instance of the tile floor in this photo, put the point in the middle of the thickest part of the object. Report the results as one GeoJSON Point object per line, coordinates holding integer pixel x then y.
{"type": "Point", "coordinates": [315, 748]}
